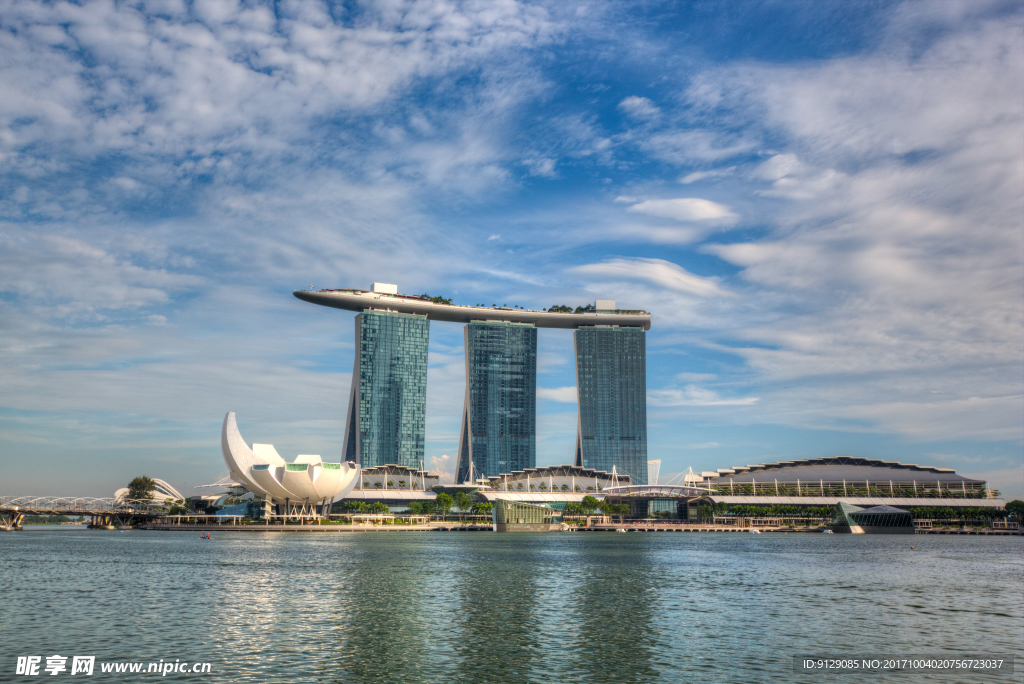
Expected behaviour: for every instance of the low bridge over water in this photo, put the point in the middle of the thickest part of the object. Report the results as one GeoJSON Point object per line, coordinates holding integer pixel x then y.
{"type": "Point", "coordinates": [103, 513]}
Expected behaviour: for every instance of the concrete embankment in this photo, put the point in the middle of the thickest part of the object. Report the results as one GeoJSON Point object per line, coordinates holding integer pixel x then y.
{"type": "Point", "coordinates": [449, 527]}
{"type": "Point", "coordinates": [314, 528]}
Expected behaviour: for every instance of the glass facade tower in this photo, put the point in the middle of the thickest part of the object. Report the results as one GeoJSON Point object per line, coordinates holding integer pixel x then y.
{"type": "Point", "coordinates": [387, 403]}
{"type": "Point", "coordinates": [611, 387]}
{"type": "Point", "coordinates": [499, 420]}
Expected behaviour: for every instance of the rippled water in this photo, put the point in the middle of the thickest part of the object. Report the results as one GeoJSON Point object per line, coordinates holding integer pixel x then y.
{"type": "Point", "coordinates": [487, 607]}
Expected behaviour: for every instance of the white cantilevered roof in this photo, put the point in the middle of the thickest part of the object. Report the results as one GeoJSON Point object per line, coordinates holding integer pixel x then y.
{"type": "Point", "coordinates": [360, 300]}
{"type": "Point", "coordinates": [538, 497]}
{"type": "Point", "coordinates": [389, 495]}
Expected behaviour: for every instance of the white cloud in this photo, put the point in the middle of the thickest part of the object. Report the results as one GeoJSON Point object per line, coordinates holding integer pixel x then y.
{"type": "Point", "coordinates": [244, 82]}
{"type": "Point", "coordinates": [702, 175]}
{"type": "Point", "coordinates": [541, 166]}
{"type": "Point", "coordinates": [662, 235]}
{"type": "Point", "coordinates": [692, 395]}
{"type": "Point", "coordinates": [193, 167]}
{"type": "Point", "coordinates": [893, 265]}
{"type": "Point", "coordinates": [444, 465]}
{"type": "Point", "coordinates": [695, 377]}
{"type": "Point", "coordinates": [639, 108]}
{"type": "Point", "coordinates": [71, 277]}
{"type": "Point", "coordinates": [694, 145]}
{"type": "Point", "coordinates": [658, 272]}
{"type": "Point", "coordinates": [686, 209]}
{"type": "Point", "coordinates": [561, 394]}
{"type": "Point", "coordinates": [986, 418]}
{"type": "Point", "coordinates": [1009, 481]}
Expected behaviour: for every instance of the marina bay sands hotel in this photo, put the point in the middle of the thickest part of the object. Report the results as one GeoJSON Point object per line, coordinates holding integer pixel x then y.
{"type": "Point", "coordinates": [387, 405]}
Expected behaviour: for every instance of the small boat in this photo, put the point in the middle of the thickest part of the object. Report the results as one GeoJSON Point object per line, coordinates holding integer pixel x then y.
{"type": "Point", "coordinates": [621, 530]}
{"type": "Point", "coordinates": [753, 531]}
{"type": "Point", "coordinates": [827, 532]}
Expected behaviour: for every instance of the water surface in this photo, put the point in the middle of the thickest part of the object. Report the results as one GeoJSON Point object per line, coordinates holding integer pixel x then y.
{"type": "Point", "coordinates": [487, 607]}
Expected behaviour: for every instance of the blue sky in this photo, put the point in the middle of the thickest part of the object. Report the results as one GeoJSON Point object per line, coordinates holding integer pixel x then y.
{"type": "Point", "coordinates": [820, 203]}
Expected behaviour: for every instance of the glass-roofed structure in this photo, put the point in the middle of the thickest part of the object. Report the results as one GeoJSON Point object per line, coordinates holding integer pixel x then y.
{"type": "Point", "coordinates": [875, 520]}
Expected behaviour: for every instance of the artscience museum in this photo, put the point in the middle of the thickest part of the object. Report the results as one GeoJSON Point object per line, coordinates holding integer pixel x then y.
{"type": "Point", "coordinates": [291, 489]}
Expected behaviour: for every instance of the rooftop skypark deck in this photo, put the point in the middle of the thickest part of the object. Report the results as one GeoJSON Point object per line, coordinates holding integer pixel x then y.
{"type": "Point", "coordinates": [351, 299]}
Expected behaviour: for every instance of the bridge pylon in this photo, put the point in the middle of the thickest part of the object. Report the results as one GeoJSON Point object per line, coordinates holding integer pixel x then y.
{"type": "Point", "coordinates": [10, 521]}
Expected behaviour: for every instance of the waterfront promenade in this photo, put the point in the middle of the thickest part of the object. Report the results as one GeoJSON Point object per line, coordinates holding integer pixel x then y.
{"type": "Point", "coordinates": [450, 526]}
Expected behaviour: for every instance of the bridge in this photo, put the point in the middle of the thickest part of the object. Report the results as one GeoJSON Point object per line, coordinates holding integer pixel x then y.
{"type": "Point", "coordinates": [106, 514]}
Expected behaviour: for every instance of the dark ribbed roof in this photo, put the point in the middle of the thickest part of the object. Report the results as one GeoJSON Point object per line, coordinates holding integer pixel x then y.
{"type": "Point", "coordinates": [839, 468]}
{"type": "Point", "coordinates": [879, 510]}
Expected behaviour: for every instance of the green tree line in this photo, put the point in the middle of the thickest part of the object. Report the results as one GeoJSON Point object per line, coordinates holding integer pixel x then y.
{"type": "Point", "coordinates": [46, 519]}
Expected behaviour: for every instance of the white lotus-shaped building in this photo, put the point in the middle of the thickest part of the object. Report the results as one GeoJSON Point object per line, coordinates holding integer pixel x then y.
{"type": "Point", "coordinates": [307, 481]}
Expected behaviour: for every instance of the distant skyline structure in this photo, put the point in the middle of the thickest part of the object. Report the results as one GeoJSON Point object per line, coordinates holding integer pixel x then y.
{"type": "Point", "coordinates": [653, 471]}
{"type": "Point", "coordinates": [499, 417]}
{"type": "Point", "coordinates": [611, 389]}
{"type": "Point", "coordinates": [388, 399]}
{"type": "Point", "coordinates": [387, 404]}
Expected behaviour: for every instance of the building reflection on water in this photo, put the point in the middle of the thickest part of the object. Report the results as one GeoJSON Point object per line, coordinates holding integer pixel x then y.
{"type": "Point", "coordinates": [614, 606]}
{"type": "Point", "coordinates": [497, 627]}
{"type": "Point", "coordinates": [385, 618]}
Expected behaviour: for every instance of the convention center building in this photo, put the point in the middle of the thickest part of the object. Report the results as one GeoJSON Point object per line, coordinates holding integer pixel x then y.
{"type": "Point", "coordinates": [814, 483]}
